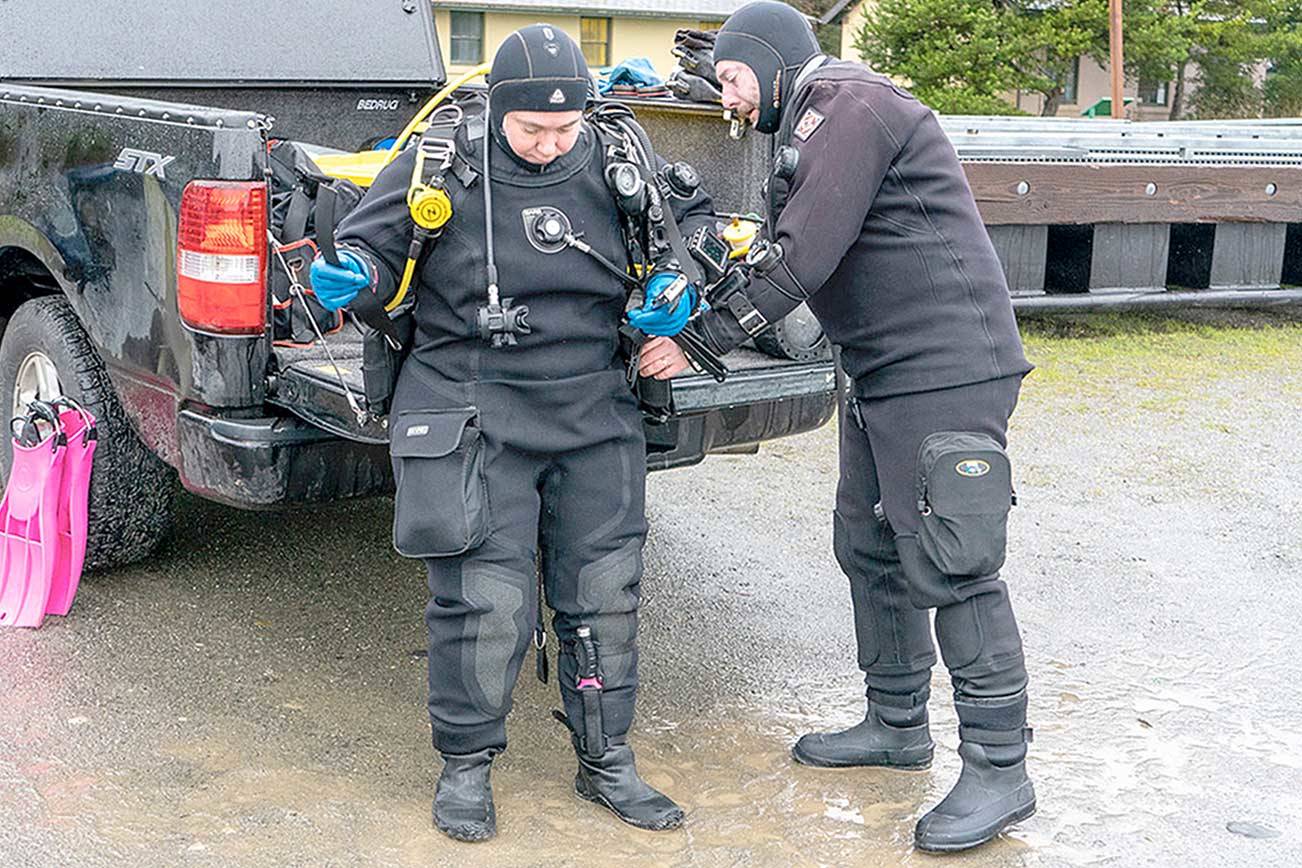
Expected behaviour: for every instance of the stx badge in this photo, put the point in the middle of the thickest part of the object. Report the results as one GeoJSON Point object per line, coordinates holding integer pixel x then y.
{"type": "Point", "coordinates": [809, 122]}
{"type": "Point", "coordinates": [144, 162]}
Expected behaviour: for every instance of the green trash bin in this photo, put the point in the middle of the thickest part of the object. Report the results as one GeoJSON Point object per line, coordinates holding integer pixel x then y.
{"type": "Point", "coordinates": [1103, 107]}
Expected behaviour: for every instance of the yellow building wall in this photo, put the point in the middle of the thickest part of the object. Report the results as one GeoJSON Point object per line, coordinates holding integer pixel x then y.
{"type": "Point", "coordinates": [851, 24]}
{"type": "Point", "coordinates": [651, 38]}
{"type": "Point", "coordinates": [498, 26]}
{"type": "Point", "coordinates": [629, 37]}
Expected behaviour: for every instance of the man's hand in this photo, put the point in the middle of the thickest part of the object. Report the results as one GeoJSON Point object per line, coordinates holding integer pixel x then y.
{"type": "Point", "coordinates": [662, 358]}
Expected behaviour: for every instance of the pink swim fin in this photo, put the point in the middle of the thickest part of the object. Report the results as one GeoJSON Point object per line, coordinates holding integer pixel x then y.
{"type": "Point", "coordinates": [74, 497]}
{"type": "Point", "coordinates": [29, 517]}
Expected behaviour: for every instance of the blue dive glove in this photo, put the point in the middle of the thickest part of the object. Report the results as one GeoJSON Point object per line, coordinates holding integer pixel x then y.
{"type": "Point", "coordinates": [337, 285]}
{"type": "Point", "coordinates": [664, 319]}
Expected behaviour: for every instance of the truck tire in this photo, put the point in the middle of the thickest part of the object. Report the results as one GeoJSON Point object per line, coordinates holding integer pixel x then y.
{"type": "Point", "coordinates": [130, 488]}
{"type": "Point", "coordinates": [798, 336]}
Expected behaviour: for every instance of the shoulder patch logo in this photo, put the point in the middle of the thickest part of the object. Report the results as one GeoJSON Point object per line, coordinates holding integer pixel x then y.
{"type": "Point", "coordinates": [557, 97]}
{"type": "Point", "coordinates": [809, 123]}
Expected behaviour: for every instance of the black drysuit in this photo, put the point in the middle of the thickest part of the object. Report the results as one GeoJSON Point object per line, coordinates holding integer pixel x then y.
{"type": "Point", "coordinates": [510, 458]}
{"type": "Point", "coordinates": [882, 236]}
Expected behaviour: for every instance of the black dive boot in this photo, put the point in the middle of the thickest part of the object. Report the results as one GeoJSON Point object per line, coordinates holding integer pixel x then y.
{"type": "Point", "coordinates": [890, 736]}
{"type": "Point", "coordinates": [598, 720]}
{"type": "Point", "coordinates": [993, 791]}
{"type": "Point", "coordinates": [463, 799]}
{"type": "Point", "coordinates": [612, 780]}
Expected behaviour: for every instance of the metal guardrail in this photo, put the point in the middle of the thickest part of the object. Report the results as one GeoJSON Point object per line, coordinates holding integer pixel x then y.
{"type": "Point", "coordinates": [1120, 141]}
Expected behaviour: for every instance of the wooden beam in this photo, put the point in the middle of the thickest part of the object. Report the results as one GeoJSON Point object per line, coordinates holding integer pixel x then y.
{"type": "Point", "coordinates": [1038, 193]}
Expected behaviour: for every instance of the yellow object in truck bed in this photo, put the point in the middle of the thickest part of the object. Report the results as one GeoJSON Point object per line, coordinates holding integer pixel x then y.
{"type": "Point", "coordinates": [360, 168]}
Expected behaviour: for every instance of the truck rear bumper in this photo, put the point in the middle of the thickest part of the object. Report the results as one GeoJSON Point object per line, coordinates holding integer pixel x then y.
{"type": "Point", "coordinates": [264, 462]}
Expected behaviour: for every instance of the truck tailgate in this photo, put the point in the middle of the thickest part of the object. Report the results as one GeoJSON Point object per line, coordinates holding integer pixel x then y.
{"type": "Point", "coordinates": [308, 384]}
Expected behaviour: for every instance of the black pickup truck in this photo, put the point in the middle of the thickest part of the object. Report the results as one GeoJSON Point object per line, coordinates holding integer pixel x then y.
{"type": "Point", "coordinates": [134, 261]}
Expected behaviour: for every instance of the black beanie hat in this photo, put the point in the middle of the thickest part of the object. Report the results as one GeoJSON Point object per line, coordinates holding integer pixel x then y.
{"type": "Point", "coordinates": [538, 68]}
{"type": "Point", "coordinates": [775, 41]}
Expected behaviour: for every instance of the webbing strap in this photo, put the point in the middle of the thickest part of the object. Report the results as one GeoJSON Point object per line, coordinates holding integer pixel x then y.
{"type": "Point", "coordinates": [899, 700]}
{"type": "Point", "coordinates": [996, 736]}
{"type": "Point", "coordinates": [295, 225]}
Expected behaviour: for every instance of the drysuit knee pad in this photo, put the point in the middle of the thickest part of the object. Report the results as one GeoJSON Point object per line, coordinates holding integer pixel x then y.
{"type": "Point", "coordinates": [981, 644]}
{"type": "Point", "coordinates": [494, 636]}
{"type": "Point", "coordinates": [893, 636]}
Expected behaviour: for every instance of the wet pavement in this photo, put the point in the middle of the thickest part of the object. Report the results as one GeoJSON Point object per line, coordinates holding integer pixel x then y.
{"type": "Point", "coordinates": [254, 694]}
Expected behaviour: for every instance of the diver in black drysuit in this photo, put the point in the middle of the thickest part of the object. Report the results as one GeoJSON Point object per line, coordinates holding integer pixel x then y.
{"type": "Point", "coordinates": [511, 458]}
{"type": "Point", "coordinates": [879, 232]}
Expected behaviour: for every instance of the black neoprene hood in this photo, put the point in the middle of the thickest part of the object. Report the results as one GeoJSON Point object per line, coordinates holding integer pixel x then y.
{"type": "Point", "coordinates": [538, 68]}
{"type": "Point", "coordinates": [775, 41]}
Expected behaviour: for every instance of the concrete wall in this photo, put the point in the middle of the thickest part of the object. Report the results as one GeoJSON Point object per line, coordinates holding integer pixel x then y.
{"type": "Point", "coordinates": [629, 37]}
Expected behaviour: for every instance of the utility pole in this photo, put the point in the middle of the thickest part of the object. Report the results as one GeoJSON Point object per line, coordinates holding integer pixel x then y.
{"type": "Point", "coordinates": [1115, 59]}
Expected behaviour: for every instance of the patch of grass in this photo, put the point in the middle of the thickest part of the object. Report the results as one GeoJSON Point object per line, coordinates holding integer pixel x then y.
{"type": "Point", "coordinates": [1111, 324]}
{"type": "Point", "coordinates": [1158, 361]}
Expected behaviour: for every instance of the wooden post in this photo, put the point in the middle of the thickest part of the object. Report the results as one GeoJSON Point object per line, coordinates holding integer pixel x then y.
{"type": "Point", "coordinates": [1115, 59]}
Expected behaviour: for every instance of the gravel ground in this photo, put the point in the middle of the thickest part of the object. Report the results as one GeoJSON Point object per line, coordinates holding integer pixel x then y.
{"type": "Point", "coordinates": [254, 694]}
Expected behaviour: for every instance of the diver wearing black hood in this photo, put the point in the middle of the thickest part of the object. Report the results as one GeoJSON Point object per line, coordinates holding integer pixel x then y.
{"type": "Point", "coordinates": [878, 231]}
{"type": "Point", "coordinates": [536, 67]}
{"type": "Point", "coordinates": [516, 454]}
{"type": "Point", "coordinates": [775, 42]}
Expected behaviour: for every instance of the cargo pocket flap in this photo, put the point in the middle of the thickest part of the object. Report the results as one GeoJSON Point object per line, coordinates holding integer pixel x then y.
{"type": "Point", "coordinates": [966, 474]}
{"type": "Point", "coordinates": [430, 433]}
{"type": "Point", "coordinates": [972, 483]}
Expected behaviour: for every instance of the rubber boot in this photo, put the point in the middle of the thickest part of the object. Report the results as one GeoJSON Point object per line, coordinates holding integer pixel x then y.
{"type": "Point", "coordinates": [889, 737]}
{"type": "Point", "coordinates": [463, 799]}
{"type": "Point", "coordinates": [992, 793]}
{"type": "Point", "coordinates": [612, 780]}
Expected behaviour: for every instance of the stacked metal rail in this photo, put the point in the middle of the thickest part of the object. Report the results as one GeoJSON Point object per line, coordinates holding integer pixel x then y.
{"type": "Point", "coordinates": [1088, 213]}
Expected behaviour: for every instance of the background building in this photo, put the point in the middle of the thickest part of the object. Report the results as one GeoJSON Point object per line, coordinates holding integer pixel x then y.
{"type": "Point", "coordinates": [1090, 83]}
{"type": "Point", "coordinates": [608, 30]}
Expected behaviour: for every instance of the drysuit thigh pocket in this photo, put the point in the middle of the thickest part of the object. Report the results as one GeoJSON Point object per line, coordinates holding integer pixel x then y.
{"type": "Point", "coordinates": [965, 491]}
{"type": "Point", "coordinates": [441, 505]}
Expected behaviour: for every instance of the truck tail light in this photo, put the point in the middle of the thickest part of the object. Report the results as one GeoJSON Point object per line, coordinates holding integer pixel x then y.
{"type": "Point", "coordinates": [221, 257]}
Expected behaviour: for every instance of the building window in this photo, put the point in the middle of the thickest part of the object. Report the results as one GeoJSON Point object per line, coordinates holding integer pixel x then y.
{"type": "Point", "coordinates": [1152, 92]}
{"type": "Point", "coordinates": [1071, 85]}
{"type": "Point", "coordinates": [594, 33]}
{"type": "Point", "coordinates": [467, 37]}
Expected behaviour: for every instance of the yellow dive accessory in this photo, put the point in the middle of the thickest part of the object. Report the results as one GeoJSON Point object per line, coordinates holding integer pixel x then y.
{"type": "Point", "coordinates": [740, 234]}
{"type": "Point", "coordinates": [430, 206]}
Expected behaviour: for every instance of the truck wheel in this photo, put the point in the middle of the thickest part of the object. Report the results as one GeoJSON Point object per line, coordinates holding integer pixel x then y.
{"type": "Point", "coordinates": [45, 353]}
{"type": "Point", "coordinates": [798, 336]}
